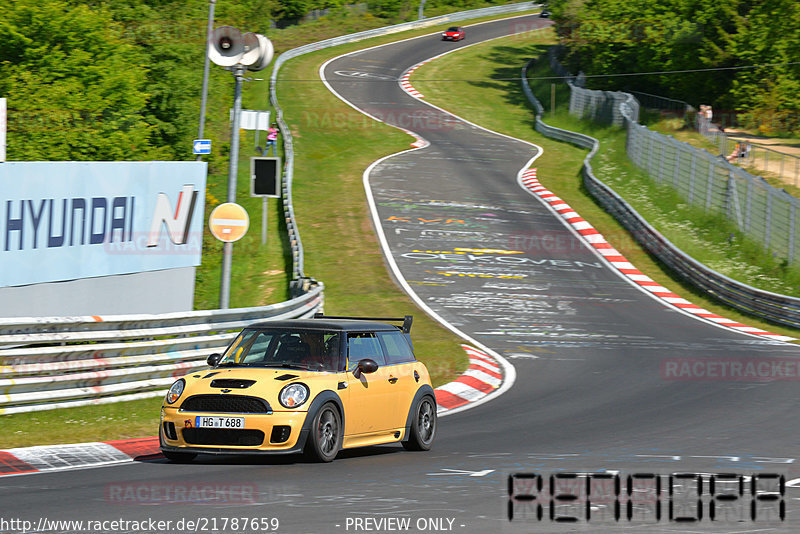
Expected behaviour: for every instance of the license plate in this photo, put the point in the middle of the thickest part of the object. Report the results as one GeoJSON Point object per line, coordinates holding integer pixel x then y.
{"type": "Point", "coordinates": [218, 422]}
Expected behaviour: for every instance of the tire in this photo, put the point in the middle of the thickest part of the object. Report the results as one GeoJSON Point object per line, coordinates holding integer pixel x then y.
{"type": "Point", "coordinates": [180, 457]}
{"type": "Point", "coordinates": [423, 426]}
{"type": "Point", "coordinates": [325, 434]}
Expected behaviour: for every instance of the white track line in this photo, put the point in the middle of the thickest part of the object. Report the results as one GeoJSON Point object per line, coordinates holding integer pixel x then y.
{"type": "Point", "coordinates": [509, 372]}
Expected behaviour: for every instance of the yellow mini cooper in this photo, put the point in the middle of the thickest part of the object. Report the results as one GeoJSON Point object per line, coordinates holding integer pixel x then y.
{"type": "Point", "coordinates": [303, 385]}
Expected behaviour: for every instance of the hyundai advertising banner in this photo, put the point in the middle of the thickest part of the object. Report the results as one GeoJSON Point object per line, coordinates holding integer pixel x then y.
{"type": "Point", "coordinates": [69, 220]}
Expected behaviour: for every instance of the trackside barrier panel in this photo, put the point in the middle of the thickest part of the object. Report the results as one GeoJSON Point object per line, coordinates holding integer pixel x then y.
{"type": "Point", "coordinates": [771, 306]}
{"type": "Point", "coordinates": [59, 362]}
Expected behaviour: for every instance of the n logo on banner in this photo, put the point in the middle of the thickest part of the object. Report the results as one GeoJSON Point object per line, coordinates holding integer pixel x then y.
{"type": "Point", "coordinates": [177, 224]}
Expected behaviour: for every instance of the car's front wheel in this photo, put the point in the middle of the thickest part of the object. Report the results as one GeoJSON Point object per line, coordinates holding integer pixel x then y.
{"type": "Point", "coordinates": [181, 457]}
{"type": "Point", "coordinates": [325, 435]}
{"type": "Point", "coordinates": [423, 426]}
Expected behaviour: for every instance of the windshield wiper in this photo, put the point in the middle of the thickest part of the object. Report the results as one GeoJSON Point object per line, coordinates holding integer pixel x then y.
{"type": "Point", "coordinates": [294, 366]}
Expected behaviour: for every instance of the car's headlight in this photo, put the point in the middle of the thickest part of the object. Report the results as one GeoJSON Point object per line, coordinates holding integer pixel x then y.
{"type": "Point", "coordinates": [175, 391]}
{"type": "Point", "coordinates": [293, 395]}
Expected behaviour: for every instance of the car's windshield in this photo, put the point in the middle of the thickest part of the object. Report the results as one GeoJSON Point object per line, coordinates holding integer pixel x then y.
{"type": "Point", "coordinates": [313, 350]}
{"type": "Point", "coordinates": [453, 29]}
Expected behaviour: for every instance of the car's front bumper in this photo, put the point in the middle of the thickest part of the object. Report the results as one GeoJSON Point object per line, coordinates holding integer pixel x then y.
{"type": "Point", "coordinates": [173, 440]}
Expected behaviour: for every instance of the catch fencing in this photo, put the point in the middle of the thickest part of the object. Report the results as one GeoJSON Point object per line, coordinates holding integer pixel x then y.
{"type": "Point", "coordinates": [763, 213]}
{"type": "Point", "coordinates": [60, 362]}
{"type": "Point", "coordinates": [771, 306]}
{"type": "Point", "coordinates": [670, 106]}
{"type": "Point", "coordinates": [742, 151]}
{"type": "Point", "coordinates": [747, 154]}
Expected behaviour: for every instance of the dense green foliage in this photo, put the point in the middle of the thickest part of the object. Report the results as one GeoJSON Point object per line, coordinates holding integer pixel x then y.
{"type": "Point", "coordinates": [109, 80]}
{"type": "Point", "coordinates": [770, 96]}
{"type": "Point", "coordinates": [635, 36]}
{"type": "Point", "coordinates": [74, 85]}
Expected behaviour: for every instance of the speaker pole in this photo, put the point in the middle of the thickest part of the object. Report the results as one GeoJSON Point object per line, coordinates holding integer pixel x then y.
{"type": "Point", "coordinates": [233, 169]}
{"type": "Point", "coordinates": [209, 31]}
{"type": "Point", "coordinates": [238, 73]}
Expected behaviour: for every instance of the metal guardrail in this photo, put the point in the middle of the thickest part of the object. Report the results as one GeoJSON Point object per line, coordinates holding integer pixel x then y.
{"type": "Point", "coordinates": [771, 306]}
{"type": "Point", "coordinates": [59, 362]}
{"type": "Point", "coordinates": [288, 146]}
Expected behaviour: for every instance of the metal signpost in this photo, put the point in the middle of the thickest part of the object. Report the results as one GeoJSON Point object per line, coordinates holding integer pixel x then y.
{"type": "Point", "coordinates": [265, 178]}
{"type": "Point", "coordinates": [237, 52]}
{"type": "Point", "coordinates": [204, 98]}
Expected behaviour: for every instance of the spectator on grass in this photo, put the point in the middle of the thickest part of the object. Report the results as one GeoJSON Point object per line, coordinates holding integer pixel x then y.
{"type": "Point", "coordinates": [272, 140]}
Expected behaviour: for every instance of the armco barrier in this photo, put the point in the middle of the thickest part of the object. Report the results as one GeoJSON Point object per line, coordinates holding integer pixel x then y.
{"type": "Point", "coordinates": [288, 147]}
{"type": "Point", "coordinates": [771, 306]}
{"type": "Point", "coordinates": [58, 362]}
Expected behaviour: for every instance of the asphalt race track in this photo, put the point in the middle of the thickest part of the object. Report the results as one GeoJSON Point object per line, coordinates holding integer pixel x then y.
{"type": "Point", "coordinates": [598, 386]}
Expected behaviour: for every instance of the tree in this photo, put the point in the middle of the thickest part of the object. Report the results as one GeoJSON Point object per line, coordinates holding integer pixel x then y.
{"type": "Point", "coordinates": [769, 96]}
{"type": "Point", "coordinates": [74, 87]}
{"type": "Point", "coordinates": [636, 36]}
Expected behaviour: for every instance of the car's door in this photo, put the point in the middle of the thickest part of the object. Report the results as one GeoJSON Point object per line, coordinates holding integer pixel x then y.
{"type": "Point", "coordinates": [373, 397]}
{"type": "Point", "coordinates": [400, 365]}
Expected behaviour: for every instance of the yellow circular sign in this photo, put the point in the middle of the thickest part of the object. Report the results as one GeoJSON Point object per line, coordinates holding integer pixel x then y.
{"type": "Point", "coordinates": [229, 222]}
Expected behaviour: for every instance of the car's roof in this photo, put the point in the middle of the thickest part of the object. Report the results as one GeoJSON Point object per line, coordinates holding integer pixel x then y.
{"type": "Point", "coordinates": [345, 325]}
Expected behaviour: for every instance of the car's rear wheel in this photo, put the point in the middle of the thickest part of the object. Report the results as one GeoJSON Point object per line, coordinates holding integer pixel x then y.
{"type": "Point", "coordinates": [423, 426]}
{"type": "Point", "coordinates": [181, 457]}
{"type": "Point", "coordinates": [325, 435]}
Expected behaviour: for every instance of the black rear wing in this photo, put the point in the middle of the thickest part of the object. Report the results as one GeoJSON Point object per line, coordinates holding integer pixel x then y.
{"type": "Point", "coordinates": [407, 320]}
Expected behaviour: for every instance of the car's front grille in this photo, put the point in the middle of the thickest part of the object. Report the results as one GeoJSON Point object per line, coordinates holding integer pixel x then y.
{"type": "Point", "coordinates": [226, 404]}
{"type": "Point", "coordinates": [223, 436]}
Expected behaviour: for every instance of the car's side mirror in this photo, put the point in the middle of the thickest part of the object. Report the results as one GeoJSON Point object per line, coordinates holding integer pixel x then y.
{"type": "Point", "coordinates": [365, 366]}
{"type": "Point", "coordinates": [214, 359]}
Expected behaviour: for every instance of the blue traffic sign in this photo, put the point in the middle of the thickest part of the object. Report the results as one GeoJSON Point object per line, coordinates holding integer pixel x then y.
{"type": "Point", "coordinates": [201, 146]}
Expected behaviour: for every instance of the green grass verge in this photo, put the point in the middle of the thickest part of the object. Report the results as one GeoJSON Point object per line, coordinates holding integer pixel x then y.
{"type": "Point", "coordinates": [494, 99]}
{"type": "Point", "coordinates": [334, 144]}
{"type": "Point", "coordinates": [121, 420]}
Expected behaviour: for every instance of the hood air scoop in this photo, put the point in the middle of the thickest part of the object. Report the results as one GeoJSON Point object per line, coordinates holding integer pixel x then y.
{"type": "Point", "coordinates": [231, 383]}
{"type": "Point", "coordinates": [285, 377]}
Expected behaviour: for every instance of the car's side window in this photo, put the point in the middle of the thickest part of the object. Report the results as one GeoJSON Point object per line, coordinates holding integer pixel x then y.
{"type": "Point", "coordinates": [397, 349]}
{"type": "Point", "coordinates": [364, 345]}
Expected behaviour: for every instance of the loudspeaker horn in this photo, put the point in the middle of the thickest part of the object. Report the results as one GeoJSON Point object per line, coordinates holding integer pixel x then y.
{"type": "Point", "coordinates": [258, 51]}
{"type": "Point", "coordinates": [226, 46]}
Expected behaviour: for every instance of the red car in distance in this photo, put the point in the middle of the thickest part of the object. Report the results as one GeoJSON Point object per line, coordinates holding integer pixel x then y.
{"type": "Point", "coordinates": [454, 33]}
